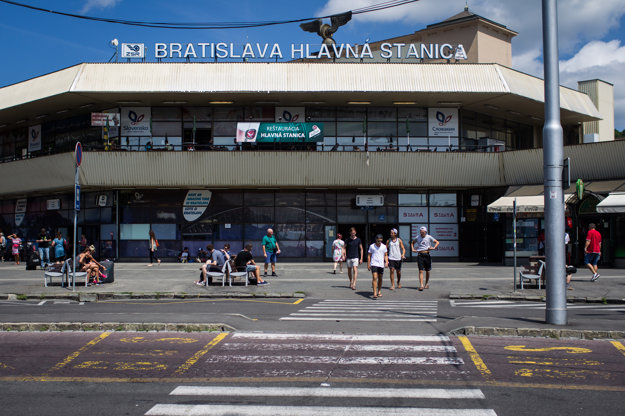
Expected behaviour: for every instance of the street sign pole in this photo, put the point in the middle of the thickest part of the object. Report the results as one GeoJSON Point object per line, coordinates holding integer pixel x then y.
{"type": "Point", "coordinates": [514, 243]}
{"type": "Point", "coordinates": [553, 153]}
{"type": "Point", "coordinates": [78, 157]}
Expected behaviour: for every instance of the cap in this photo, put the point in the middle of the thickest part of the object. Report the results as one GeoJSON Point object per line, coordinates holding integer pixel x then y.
{"type": "Point", "coordinates": [379, 237]}
{"type": "Point", "coordinates": [394, 230]}
{"type": "Point", "coordinates": [423, 229]}
{"type": "Point", "coordinates": [92, 247]}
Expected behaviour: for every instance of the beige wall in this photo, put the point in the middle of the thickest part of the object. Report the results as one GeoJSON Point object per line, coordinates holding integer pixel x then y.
{"type": "Point", "coordinates": [602, 95]}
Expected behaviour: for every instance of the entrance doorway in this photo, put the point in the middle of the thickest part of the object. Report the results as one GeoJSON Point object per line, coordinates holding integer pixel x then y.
{"type": "Point", "coordinates": [367, 233]}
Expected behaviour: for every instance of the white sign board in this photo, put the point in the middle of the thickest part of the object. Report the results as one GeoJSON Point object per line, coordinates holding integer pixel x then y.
{"type": "Point", "coordinates": [444, 214]}
{"type": "Point", "coordinates": [445, 249]}
{"type": "Point", "coordinates": [413, 214]}
{"type": "Point", "coordinates": [442, 122]}
{"type": "Point", "coordinates": [20, 211]}
{"type": "Point", "coordinates": [290, 114]}
{"type": "Point", "coordinates": [195, 203]}
{"type": "Point", "coordinates": [133, 50]}
{"type": "Point", "coordinates": [369, 200]}
{"type": "Point", "coordinates": [135, 121]}
{"type": "Point", "coordinates": [53, 204]}
{"type": "Point", "coordinates": [34, 138]}
{"type": "Point", "coordinates": [99, 119]}
{"type": "Point", "coordinates": [444, 231]}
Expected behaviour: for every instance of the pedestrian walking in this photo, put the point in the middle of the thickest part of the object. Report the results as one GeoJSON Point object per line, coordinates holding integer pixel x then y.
{"type": "Point", "coordinates": [271, 249]}
{"type": "Point", "coordinates": [353, 255]}
{"type": "Point", "coordinates": [43, 245]}
{"type": "Point", "coordinates": [15, 247]}
{"type": "Point", "coordinates": [153, 248]}
{"type": "Point", "coordinates": [377, 260]}
{"type": "Point", "coordinates": [424, 244]}
{"type": "Point", "coordinates": [396, 253]}
{"type": "Point", "coordinates": [592, 251]}
{"type": "Point", "coordinates": [338, 252]}
{"type": "Point", "coordinates": [58, 244]}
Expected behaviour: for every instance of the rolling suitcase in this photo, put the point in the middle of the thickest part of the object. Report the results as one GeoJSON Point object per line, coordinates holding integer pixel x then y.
{"type": "Point", "coordinates": [109, 272]}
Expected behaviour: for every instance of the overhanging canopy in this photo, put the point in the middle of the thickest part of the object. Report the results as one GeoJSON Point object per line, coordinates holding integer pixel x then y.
{"type": "Point", "coordinates": [615, 202]}
{"type": "Point", "coordinates": [533, 203]}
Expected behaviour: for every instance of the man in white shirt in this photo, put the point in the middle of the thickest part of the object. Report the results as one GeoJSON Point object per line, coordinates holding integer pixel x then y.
{"type": "Point", "coordinates": [425, 243]}
{"type": "Point", "coordinates": [377, 260]}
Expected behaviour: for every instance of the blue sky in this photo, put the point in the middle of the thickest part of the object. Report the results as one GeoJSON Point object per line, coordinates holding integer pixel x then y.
{"type": "Point", "coordinates": [591, 33]}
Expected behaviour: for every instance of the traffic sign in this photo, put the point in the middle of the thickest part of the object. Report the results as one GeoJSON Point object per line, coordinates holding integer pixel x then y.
{"type": "Point", "coordinates": [77, 197]}
{"type": "Point", "coordinates": [78, 153]}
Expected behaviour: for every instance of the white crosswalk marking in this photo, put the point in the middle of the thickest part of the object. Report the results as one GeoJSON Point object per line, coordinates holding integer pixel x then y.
{"type": "Point", "coordinates": [250, 394]}
{"type": "Point", "coordinates": [367, 310]}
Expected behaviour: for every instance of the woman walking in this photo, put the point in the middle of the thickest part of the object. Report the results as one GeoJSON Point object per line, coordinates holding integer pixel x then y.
{"type": "Point", "coordinates": [153, 247]}
{"type": "Point", "coordinates": [15, 247]}
{"type": "Point", "coordinates": [338, 252]}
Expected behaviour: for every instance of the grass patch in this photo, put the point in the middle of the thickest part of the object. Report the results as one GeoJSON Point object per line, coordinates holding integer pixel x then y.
{"type": "Point", "coordinates": [21, 296]}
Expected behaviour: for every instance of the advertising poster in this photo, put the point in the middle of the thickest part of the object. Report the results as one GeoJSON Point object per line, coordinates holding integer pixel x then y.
{"type": "Point", "coordinates": [443, 122]}
{"type": "Point", "coordinates": [195, 203]}
{"type": "Point", "coordinates": [413, 214]}
{"type": "Point", "coordinates": [136, 121]}
{"type": "Point", "coordinates": [279, 132]}
{"type": "Point", "coordinates": [34, 138]}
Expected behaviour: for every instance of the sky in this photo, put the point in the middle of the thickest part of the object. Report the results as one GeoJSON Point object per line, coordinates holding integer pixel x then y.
{"type": "Point", "coordinates": [591, 33]}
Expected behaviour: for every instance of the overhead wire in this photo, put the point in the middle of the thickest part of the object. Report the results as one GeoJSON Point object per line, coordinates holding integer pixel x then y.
{"type": "Point", "coordinates": [211, 25]}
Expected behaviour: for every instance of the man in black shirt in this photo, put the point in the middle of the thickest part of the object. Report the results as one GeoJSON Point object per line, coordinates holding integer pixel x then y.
{"type": "Point", "coordinates": [245, 261]}
{"type": "Point", "coordinates": [43, 243]}
{"type": "Point", "coordinates": [354, 253]}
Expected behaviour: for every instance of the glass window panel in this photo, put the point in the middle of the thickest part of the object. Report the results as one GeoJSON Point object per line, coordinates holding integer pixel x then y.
{"type": "Point", "coordinates": [259, 214]}
{"type": "Point", "coordinates": [292, 249]}
{"type": "Point", "coordinates": [441, 144]}
{"type": "Point", "coordinates": [321, 214]}
{"type": "Point", "coordinates": [315, 231]}
{"type": "Point", "coordinates": [385, 129]}
{"type": "Point", "coordinates": [235, 245]}
{"type": "Point", "coordinates": [255, 231]}
{"type": "Point", "coordinates": [198, 230]}
{"type": "Point", "coordinates": [200, 113]}
{"type": "Point", "coordinates": [321, 113]}
{"type": "Point", "coordinates": [412, 113]}
{"type": "Point", "coordinates": [443, 200]}
{"type": "Point", "coordinates": [290, 199]}
{"type": "Point", "coordinates": [135, 232]}
{"type": "Point", "coordinates": [225, 128]}
{"type": "Point", "coordinates": [229, 113]}
{"type": "Point", "coordinates": [224, 215]}
{"type": "Point", "coordinates": [378, 144]}
{"type": "Point", "coordinates": [257, 250]}
{"type": "Point", "coordinates": [107, 229]}
{"type": "Point", "coordinates": [320, 198]}
{"type": "Point", "coordinates": [133, 248]}
{"type": "Point", "coordinates": [165, 113]}
{"type": "Point", "coordinates": [230, 232]}
{"type": "Point", "coordinates": [351, 113]}
{"type": "Point", "coordinates": [329, 128]}
{"type": "Point", "coordinates": [412, 200]}
{"type": "Point", "coordinates": [106, 214]}
{"type": "Point", "coordinates": [412, 129]}
{"type": "Point", "coordinates": [291, 214]}
{"type": "Point", "coordinates": [261, 199]}
{"type": "Point", "coordinates": [382, 114]}
{"type": "Point", "coordinates": [290, 232]}
{"type": "Point", "coordinates": [346, 198]}
{"type": "Point", "coordinates": [348, 215]}
{"type": "Point", "coordinates": [91, 215]}
{"type": "Point", "coordinates": [264, 113]}
{"type": "Point", "coordinates": [383, 215]}
{"type": "Point", "coordinates": [195, 246]}
{"type": "Point", "coordinates": [165, 231]}
{"type": "Point", "coordinates": [350, 128]}
{"type": "Point", "coordinates": [314, 248]}
{"type": "Point", "coordinates": [228, 143]}
{"type": "Point", "coordinates": [166, 128]}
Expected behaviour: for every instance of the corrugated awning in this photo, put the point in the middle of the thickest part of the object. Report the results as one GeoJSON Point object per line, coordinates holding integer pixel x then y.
{"type": "Point", "coordinates": [615, 202]}
{"type": "Point", "coordinates": [534, 203]}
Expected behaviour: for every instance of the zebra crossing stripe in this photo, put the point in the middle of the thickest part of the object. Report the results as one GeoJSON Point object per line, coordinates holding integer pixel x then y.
{"type": "Point", "coordinates": [290, 359]}
{"type": "Point", "coordinates": [343, 347]}
{"type": "Point", "coordinates": [424, 393]}
{"type": "Point", "coordinates": [339, 318]}
{"type": "Point", "coordinates": [257, 410]}
{"type": "Point", "coordinates": [341, 337]}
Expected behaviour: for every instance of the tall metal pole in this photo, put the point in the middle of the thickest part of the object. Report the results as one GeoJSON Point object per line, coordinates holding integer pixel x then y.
{"type": "Point", "coordinates": [552, 167]}
{"type": "Point", "coordinates": [76, 202]}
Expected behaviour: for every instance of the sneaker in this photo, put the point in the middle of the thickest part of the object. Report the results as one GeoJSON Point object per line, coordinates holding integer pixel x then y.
{"type": "Point", "coordinates": [274, 274]}
{"type": "Point", "coordinates": [199, 283]}
{"type": "Point", "coordinates": [594, 277]}
{"type": "Point", "coordinates": [263, 283]}
{"type": "Point", "coordinates": [569, 287]}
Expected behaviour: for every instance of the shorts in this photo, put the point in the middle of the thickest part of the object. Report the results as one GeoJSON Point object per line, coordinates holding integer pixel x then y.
{"type": "Point", "coordinates": [378, 270]}
{"type": "Point", "coordinates": [424, 261]}
{"type": "Point", "coordinates": [352, 263]}
{"type": "Point", "coordinates": [271, 258]}
{"type": "Point", "coordinates": [591, 258]}
{"type": "Point", "coordinates": [250, 268]}
{"type": "Point", "coordinates": [394, 264]}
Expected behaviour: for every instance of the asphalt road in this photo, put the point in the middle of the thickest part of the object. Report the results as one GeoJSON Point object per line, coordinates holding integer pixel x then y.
{"type": "Point", "coordinates": [123, 373]}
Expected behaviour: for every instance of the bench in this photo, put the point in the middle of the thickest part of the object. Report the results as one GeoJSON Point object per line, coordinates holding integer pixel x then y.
{"type": "Point", "coordinates": [533, 273]}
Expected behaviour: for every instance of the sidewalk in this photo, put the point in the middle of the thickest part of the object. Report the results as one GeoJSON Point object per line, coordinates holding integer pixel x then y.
{"type": "Point", "coordinates": [295, 280]}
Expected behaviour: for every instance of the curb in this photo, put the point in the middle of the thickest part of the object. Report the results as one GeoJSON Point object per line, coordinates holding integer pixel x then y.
{"type": "Point", "coordinates": [539, 333]}
{"type": "Point", "coordinates": [112, 326]}
{"type": "Point", "coordinates": [534, 298]}
{"type": "Point", "coordinates": [95, 296]}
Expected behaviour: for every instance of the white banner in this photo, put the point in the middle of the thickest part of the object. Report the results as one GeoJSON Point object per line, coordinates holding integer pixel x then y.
{"type": "Point", "coordinates": [442, 122]}
{"type": "Point", "coordinates": [34, 138]}
{"type": "Point", "coordinates": [20, 211]}
{"type": "Point", "coordinates": [290, 114]}
{"type": "Point", "coordinates": [247, 132]}
{"type": "Point", "coordinates": [444, 214]}
{"type": "Point", "coordinates": [413, 214]}
{"type": "Point", "coordinates": [133, 50]}
{"type": "Point", "coordinates": [195, 203]}
{"type": "Point", "coordinates": [136, 121]}
{"type": "Point", "coordinates": [444, 231]}
{"type": "Point", "coordinates": [445, 249]}
{"type": "Point", "coordinates": [99, 119]}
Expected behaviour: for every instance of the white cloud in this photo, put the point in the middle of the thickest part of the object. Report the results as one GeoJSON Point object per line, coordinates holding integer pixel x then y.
{"type": "Point", "coordinates": [98, 4]}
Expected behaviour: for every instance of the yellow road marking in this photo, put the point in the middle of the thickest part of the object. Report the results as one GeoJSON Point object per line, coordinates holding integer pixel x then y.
{"type": "Point", "coordinates": [475, 357]}
{"type": "Point", "coordinates": [75, 354]}
{"type": "Point", "coordinates": [121, 365]}
{"type": "Point", "coordinates": [569, 350]}
{"type": "Point", "coordinates": [152, 353]}
{"type": "Point", "coordinates": [552, 361]}
{"type": "Point", "coordinates": [618, 346]}
{"type": "Point", "coordinates": [171, 340]}
{"type": "Point", "coordinates": [184, 367]}
{"type": "Point", "coordinates": [161, 302]}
